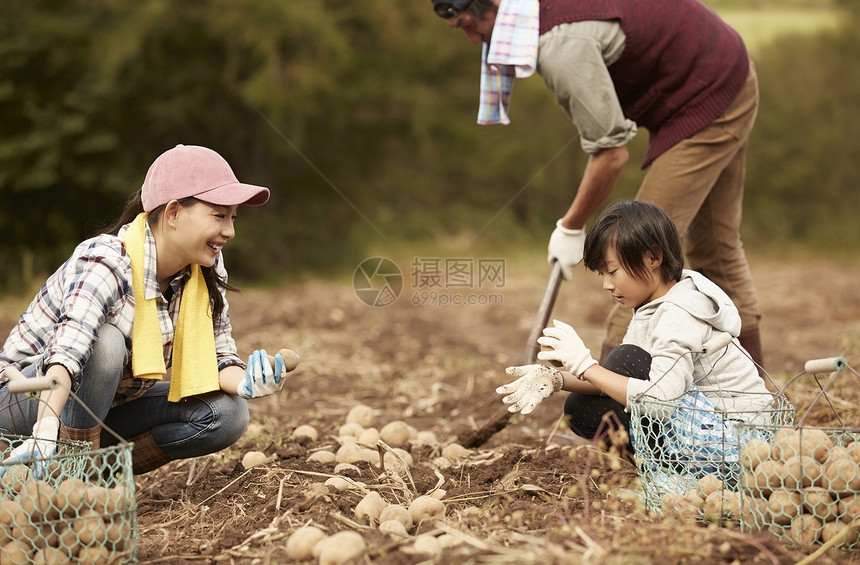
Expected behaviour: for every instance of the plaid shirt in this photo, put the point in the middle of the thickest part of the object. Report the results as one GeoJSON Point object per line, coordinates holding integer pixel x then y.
{"type": "Point", "coordinates": [93, 287]}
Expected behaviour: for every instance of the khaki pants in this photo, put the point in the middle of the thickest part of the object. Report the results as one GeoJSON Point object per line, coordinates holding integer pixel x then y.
{"type": "Point", "coordinates": [700, 184]}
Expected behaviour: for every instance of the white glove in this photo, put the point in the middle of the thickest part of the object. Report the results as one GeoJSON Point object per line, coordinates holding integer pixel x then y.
{"type": "Point", "coordinates": [260, 378]}
{"type": "Point", "coordinates": [42, 444]}
{"type": "Point", "coordinates": [535, 383]}
{"type": "Point", "coordinates": [566, 246]}
{"type": "Point", "coordinates": [567, 348]}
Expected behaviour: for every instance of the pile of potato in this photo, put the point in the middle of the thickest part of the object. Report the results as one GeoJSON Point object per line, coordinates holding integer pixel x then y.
{"type": "Point", "coordinates": [61, 520]}
{"type": "Point", "coordinates": [708, 500]}
{"type": "Point", "coordinates": [804, 487]}
{"type": "Point", "coordinates": [358, 440]}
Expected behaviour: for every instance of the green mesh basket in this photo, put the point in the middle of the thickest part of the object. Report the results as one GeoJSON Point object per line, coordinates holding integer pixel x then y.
{"type": "Point", "coordinates": [686, 471]}
{"type": "Point", "coordinates": [78, 503]}
{"type": "Point", "coordinates": [802, 483]}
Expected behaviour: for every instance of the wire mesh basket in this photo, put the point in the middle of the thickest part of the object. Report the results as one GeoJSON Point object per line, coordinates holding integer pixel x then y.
{"type": "Point", "coordinates": [687, 450]}
{"type": "Point", "coordinates": [75, 506]}
{"type": "Point", "coordinates": [802, 483]}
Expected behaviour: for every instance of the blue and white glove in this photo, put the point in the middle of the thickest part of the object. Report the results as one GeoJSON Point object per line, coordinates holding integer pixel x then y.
{"type": "Point", "coordinates": [43, 443]}
{"type": "Point", "coordinates": [260, 378]}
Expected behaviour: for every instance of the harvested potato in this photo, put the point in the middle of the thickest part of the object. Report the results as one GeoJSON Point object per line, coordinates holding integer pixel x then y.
{"type": "Point", "coordinates": [426, 508]}
{"type": "Point", "coordinates": [849, 506]}
{"type": "Point", "coordinates": [369, 436]}
{"type": "Point", "coordinates": [708, 485]}
{"type": "Point", "coordinates": [813, 472]}
{"type": "Point", "coordinates": [425, 439]}
{"type": "Point", "coordinates": [820, 503]}
{"type": "Point", "coordinates": [306, 432]}
{"type": "Point", "coordinates": [832, 529]}
{"type": "Point", "coordinates": [786, 443]}
{"type": "Point", "coordinates": [765, 478]}
{"type": "Point", "coordinates": [815, 443]}
{"type": "Point", "coordinates": [346, 469]}
{"type": "Point", "coordinates": [301, 543]}
{"type": "Point", "coordinates": [371, 506]}
{"type": "Point", "coordinates": [448, 540]}
{"type": "Point", "coordinates": [253, 458]}
{"type": "Point", "coordinates": [395, 433]}
{"type": "Point", "coordinates": [322, 456]}
{"type": "Point", "coordinates": [90, 528]}
{"type": "Point", "coordinates": [52, 556]}
{"type": "Point", "coordinates": [15, 477]}
{"type": "Point", "coordinates": [783, 506]}
{"type": "Point", "coordinates": [754, 514]}
{"type": "Point", "coordinates": [348, 431]}
{"type": "Point", "coordinates": [340, 548]}
{"type": "Point", "coordinates": [397, 512]}
{"type": "Point", "coordinates": [9, 512]}
{"type": "Point", "coordinates": [427, 544]}
{"type": "Point", "coordinates": [349, 453]}
{"type": "Point", "coordinates": [853, 450]}
{"type": "Point", "coordinates": [805, 530]}
{"type": "Point", "coordinates": [35, 499]}
{"type": "Point", "coordinates": [69, 495]}
{"type": "Point", "coordinates": [95, 555]}
{"type": "Point", "coordinates": [96, 498]}
{"type": "Point", "coordinates": [393, 527]}
{"type": "Point", "coordinates": [455, 451]}
{"type": "Point", "coordinates": [841, 475]}
{"type": "Point", "coordinates": [438, 493]}
{"type": "Point", "coordinates": [754, 452]}
{"type": "Point", "coordinates": [117, 533]}
{"type": "Point", "coordinates": [15, 552]}
{"type": "Point", "coordinates": [362, 415]}
{"type": "Point", "coordinates": [791, 472]}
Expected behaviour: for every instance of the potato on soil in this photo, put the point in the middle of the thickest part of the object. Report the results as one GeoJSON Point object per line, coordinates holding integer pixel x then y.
{"type": "Point", "coordinates": [783, 506]}
{"type": "Point", "coordinates": [300, 544]}
{"type": "Point", "coordinates": [455, 451]}
{"type": "Point", "coordinates": [349, 453]}
{"type": "Point", "coordinates": [351, 430]}
{"type": "Point", "coordinates": [393, 527]}
{"type": "Point", "coordinates": [306, 432]}
{"type": "Point", "coordinates": [368, 437]}
{"type": "Point", "coordinates": [396, 512]}
{"type": "Point", "coordinates": [427, 544]}
{"type": "Point", "coordinates": [756, 451]}
{"type": "Point", "coordinates": [425, 439]}
{"type": "Point", "coordinates": [253, 458]}
{"type": "Point", "coordinates": [395, 433]}
{"type": "Point", "coordinates": [322, 456]}
{"type": "Point", "coordinates": [362, 415]}
{"type": "Point", "coordinates": [371, 506]}
{"type": "Point", "coordinates": [340, 548]}
{"type": "Point", "coordinates": [426, 508]}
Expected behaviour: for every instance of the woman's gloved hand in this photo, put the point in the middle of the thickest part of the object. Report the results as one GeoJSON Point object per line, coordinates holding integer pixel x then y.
{"type": "Point", "coordinates": [535, 383]}
{"type": "Point", "coordinates": [261, 379]}
{"type": "Point", "coordinates": [43, 443]}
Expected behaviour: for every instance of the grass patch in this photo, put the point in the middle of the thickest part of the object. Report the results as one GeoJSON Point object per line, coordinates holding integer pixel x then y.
{"type": "Point", "coordinates": [760, 27]}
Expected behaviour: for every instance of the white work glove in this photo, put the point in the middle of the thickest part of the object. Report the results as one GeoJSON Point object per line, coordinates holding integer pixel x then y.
{"type": "Point", "coordinates": [567, 348]}
{"type": "Point", "coordinates": [43, 443]}
{"type": "Point", "coordinates": [260, 378]}
{"type": "Point", "coordinates": [566, 246]}
{"type": "Point", "coordinates": [535, 383]}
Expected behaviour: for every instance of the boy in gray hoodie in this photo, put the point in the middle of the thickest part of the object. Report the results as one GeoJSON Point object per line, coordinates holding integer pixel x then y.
{"type": "Point", "coordinates": [683, 333]}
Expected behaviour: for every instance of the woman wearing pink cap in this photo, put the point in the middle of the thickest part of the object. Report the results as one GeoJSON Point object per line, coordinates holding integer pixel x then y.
{"type": "Point", "coordinates": [135, 325]}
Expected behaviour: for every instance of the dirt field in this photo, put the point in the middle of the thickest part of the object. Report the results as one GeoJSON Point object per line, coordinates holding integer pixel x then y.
{"type": "Point", "coordinates": [532, 493]}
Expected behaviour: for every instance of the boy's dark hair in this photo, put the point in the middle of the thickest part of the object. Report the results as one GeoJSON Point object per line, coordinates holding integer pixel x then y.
{"type": "Point", "coordinates": [634, 227]}
{"type": "Point", "coordinates": [133, 207]}
{"type": "Point", "coordinates": [480, 7]}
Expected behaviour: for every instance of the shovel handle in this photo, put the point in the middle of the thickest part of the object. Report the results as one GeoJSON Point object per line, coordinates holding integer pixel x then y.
{"type": "Point", "coordinates": [18, 383]}
{"type": "Point", "coordinates": [543, 313]}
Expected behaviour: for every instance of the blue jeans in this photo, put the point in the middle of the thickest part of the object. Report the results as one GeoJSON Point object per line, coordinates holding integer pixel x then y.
{"type": "Point", "coordinates": [192, 427]}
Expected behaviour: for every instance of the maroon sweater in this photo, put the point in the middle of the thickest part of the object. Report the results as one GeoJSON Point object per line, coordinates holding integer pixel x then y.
{"type": "Point", "coordinates": [681, 67]}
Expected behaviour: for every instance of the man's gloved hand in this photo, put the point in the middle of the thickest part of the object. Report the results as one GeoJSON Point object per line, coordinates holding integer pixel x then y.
{"type": "Point", "coordinates": [535, 383]}
{"type": "Point", "coordinates": [566, 246]}
{"type": "Point", "coordinates": [43, 443]}
{"type": "Point", "coordinates": [567, 348]}
{"type": "Point", "coordinates": [260, 378]}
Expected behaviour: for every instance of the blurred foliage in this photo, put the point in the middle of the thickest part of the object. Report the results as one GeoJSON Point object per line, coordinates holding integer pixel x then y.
{"type": "Point", "coordinates": [360, 116]}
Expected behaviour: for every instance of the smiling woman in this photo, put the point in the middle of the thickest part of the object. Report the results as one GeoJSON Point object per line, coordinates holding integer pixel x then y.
{"type": "Point", "coordinates": [135, 324]}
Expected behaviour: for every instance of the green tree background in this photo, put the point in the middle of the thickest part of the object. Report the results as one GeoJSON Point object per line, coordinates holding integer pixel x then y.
{"type": "Point", "coordinates": [360, 116]}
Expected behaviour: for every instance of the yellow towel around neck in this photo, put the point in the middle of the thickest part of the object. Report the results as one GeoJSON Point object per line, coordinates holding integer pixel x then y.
{"type": "Point", "coordinates": [195, 365]}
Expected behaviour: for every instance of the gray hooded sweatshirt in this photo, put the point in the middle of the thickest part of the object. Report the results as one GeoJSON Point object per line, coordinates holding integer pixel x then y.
{"type": "Point", "coordinates": [676, 328]}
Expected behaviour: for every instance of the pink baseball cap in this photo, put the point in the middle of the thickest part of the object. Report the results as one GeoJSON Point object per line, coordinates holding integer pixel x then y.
{"type": "Point", "coordinates": [191, 170]}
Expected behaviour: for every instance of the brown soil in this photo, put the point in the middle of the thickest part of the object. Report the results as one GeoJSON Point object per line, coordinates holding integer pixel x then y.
{"type": "Point", "coordinates": [532, 492]}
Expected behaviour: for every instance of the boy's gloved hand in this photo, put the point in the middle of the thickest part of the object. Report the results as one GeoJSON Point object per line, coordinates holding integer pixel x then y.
{"type": "Point", "coordinates": [260, 378]}
{"type": "Point", "coordinates": [567, 348]}
{"type": "Point", "coordinates": [535, 383]}
{"type": "Point", "coordinates": [42, 444]}
{"type": "Point", "coordinates": [567, 247]}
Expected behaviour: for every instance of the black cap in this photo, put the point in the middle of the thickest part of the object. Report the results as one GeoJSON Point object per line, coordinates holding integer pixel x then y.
{"type": "Point", "coordinates": [449, 8]}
